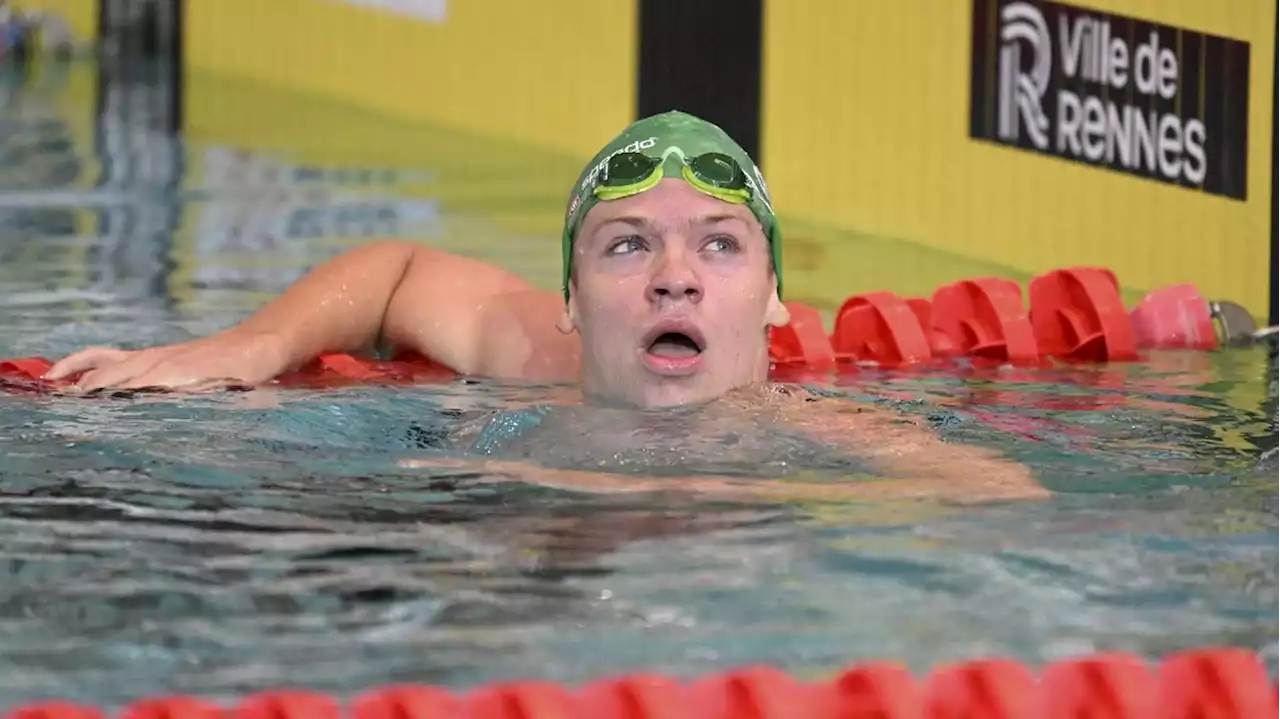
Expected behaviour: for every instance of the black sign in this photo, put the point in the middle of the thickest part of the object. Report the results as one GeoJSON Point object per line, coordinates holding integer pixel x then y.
{"type": "Point", "coordinates": [1155, 101]}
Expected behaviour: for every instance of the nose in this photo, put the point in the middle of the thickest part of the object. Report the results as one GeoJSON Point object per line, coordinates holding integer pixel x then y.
{"type": "Point", "coordinates": [674, 278]}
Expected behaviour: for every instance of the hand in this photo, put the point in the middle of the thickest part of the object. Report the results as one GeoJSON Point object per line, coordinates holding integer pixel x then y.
{"type": "Point", "coordinates": [229, 358]}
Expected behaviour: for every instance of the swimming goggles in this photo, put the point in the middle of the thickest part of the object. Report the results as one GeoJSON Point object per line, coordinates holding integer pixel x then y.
{"type": "Point", "coordinates": [715, 173]}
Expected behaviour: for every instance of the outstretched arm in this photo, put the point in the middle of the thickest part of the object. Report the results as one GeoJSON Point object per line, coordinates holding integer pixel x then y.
{"type": "Point", "coordinates": [416, 297]}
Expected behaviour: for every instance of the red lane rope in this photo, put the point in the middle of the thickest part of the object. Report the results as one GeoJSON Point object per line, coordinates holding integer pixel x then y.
{"type": "Point", "coordinates": [1209, 683]}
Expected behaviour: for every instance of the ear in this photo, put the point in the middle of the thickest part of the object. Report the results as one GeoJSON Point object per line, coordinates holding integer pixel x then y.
{"type": "Point", "coordinates": [776, 313]}
{"type": "Point", "coordinates": [568, 321]}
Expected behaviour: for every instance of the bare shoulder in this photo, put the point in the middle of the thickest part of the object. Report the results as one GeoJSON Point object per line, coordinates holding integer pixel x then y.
{"type": "Point", "coordinates": [479, 318]}
{"type": "Point", "coordinates": [520, 338]}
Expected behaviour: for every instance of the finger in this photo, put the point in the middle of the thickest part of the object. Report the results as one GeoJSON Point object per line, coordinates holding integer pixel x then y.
{"type": "Point", "coordinates": [96, 379]}
{"type": "Point", "coordinates": [116, 375]}
{"type": "Point", "coordinates": [85, 359]}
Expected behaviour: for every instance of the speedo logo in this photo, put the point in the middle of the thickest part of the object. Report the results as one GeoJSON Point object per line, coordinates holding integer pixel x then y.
{"type": "Point", "coordinates": [636, 146]}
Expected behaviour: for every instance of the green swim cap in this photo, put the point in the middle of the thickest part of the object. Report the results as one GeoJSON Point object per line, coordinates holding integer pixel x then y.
{"type": "Point", "coordinates": [669, 138]}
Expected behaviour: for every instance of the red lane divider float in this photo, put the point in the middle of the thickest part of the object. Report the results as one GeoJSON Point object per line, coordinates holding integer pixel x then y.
{"type": "Point", "coordinates": [1077, 314]}
{"type": "Point", "coordinates": [880, 327]}
{"type": "Point", "coordinates": [802, 342]}
{"type": "Point", "coordinates": [1199, 684]}
{"type": "Point", "coordinates": [26, 375]}
{"type": "Point", "coordinates": [1174, 316]}
{"type": "Point", "coordinates": [174, 708]}
{"type": "Point", "coordinates": [1104, 685]}
{"type": "Point", "coordinates": [982, 688]}
{"type": "Point", "coordinates": [985, 318]}
{"type": "Point", "coordinates": [1073, 315]}
{"type": "Point", "coordinates": [940, 343]}
{"type": "Point", "coordinates": [876, 689]}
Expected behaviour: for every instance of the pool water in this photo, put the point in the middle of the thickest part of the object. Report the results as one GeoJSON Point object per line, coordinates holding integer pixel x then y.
{"type": "Point", "coordinates": [225, 543]}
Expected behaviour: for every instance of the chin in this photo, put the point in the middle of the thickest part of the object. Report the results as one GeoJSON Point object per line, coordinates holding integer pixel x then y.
{"type": "Point", "coordinates": [643, 389]}
{"type": "Point", "coordinates": [676, 393]}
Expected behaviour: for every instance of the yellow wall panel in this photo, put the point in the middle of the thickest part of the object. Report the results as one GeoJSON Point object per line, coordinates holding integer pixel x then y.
{"type": "Point", "coordinates": [562, 79]}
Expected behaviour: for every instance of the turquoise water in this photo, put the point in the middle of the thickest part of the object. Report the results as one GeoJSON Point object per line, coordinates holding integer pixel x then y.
{"type": "Point", "coordinates": [226, 543]}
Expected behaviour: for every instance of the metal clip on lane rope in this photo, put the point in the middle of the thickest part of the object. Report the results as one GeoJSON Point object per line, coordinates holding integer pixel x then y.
{"type": "Point", "coordinates": [1238, 329]}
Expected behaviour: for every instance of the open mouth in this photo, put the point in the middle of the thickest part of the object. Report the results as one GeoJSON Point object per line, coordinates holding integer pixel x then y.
{"type": "Point", "coordinates": [675, 345]}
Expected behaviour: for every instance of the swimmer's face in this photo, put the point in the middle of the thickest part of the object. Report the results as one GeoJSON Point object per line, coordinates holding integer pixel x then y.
{"type": "Point", "coordinates": [672, 294]}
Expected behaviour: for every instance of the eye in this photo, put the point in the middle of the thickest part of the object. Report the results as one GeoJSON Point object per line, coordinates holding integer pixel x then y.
{"type": "Point", "coordinates": [721, 243]}
{"type": "Point", "coordinates": [626, 245]}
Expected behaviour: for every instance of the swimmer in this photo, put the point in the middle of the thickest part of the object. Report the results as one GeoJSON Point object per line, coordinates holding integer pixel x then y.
{"type": "Point", "coordinates": [672, 278]}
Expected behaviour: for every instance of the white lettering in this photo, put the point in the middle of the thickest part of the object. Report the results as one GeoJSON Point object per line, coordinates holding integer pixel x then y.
{"type": "Point", "coordinates": [1170, 136]}
{"type": "Point", "coordinates": [1101, 42]}
{"type": "Point", "coordinates": [1119, 63]}
{"type": "Point", "coordinates": [1144, 138]}
{"type": "Point", "coordinates": [1095, 128]}
{"type": "Point", "coordinates": [1155, 69]}
{"type": "Point", "coordinates": [1069, 41]}
{"type": "Point", "coordinates": [1194, 169]}
{"type": "Point", "coordinates": [1088, 58]}
{"type": "Point", "coordinates": [1144, 67]}
{"type": "Point", "coordinates": [1068, 121]}
{"type": "Point", "coordinates": [1090, 52]}
{"type": "Point", "coordinates": [1101, 130]}
{"type": "Point", "coordinates": [1168, 80]}
{"type": "Point", "coordinates": [1118, 131]}
{"type": "Point", "coordinates": [636, 146]}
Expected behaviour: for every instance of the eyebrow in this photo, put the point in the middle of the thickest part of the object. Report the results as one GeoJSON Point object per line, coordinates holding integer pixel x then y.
{"type": "Point", "coordinates": [628, 220]}
{"type": "Point", "coordinates": [716, 219]}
